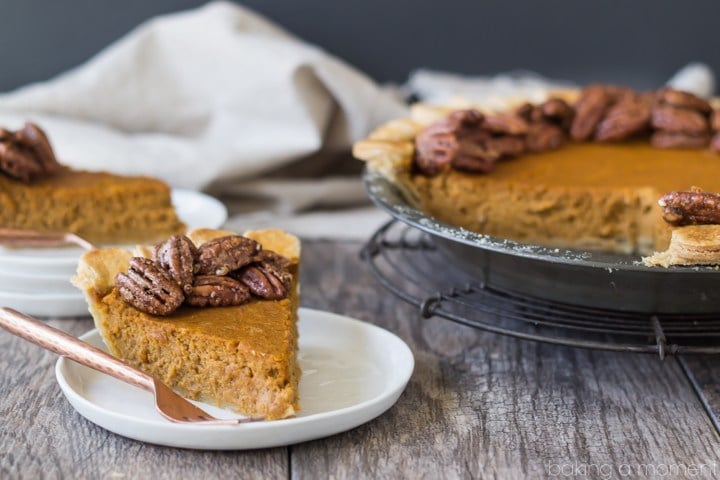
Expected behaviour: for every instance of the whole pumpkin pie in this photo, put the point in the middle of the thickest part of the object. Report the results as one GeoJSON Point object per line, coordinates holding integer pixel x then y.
{"type": "Point", "coordinates": [582, 169]}
{"type": "Point", "coordinates": [225, 334]}
{"type": "Point", "coordinates": [38, 193]}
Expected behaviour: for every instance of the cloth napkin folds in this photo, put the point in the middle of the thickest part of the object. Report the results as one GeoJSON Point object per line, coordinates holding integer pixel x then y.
{"type": "Point", "coordinates": [220, 99]}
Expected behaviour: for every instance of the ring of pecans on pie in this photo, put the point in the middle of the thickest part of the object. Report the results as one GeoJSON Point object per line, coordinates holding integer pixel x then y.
{"type": "Point", "coordinates": [225, 271]}
{"type": "Point", "coordinates": [470, 141]}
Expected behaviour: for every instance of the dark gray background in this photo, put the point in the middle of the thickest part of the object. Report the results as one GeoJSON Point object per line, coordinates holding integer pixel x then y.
{"type": "Point", "coordinates": [640, 43]}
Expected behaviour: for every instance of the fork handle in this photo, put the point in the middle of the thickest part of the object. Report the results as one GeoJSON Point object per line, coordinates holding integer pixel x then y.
{"type": "Point", "coordinates": [73, 348]}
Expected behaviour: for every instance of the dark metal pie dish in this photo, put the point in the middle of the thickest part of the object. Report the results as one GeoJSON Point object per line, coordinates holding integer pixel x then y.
{"type": "Point", "coordinates": [592, 279]}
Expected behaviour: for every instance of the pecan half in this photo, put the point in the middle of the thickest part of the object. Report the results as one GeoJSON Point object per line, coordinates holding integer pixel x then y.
{"type": "Point", "coordinates": [275, 259]}
{"type": "Point", "coordinates": [679, 120]}
{"type": "Point", "coordinates": [27, 154]}
{"type": "Point", "coordinates": [556, 110]}
{"type": "Point", "coordinates": [18, 163]}
{"type": "Point", "coordinates": [217, 291]}
{"type": "Point", "coordinates": [32, 138]}
{"type": "Point", "coordinates": [623, 120]}
{"type": "Point", "coordinates": [437, 146]}
{"type": "Point", "coordinates": [475, 157]}
{"type": "Point", "coordinates": [506, 123]}
{"type": "Point", "coordinates": [663, 139]}
{"type": "Point", "coordinates": [177, 256]}
{"type": "Point", "coordinates": [589, 110]}
{"type": "Point", "coordinates": [221, 256]}
{"type": "Point", "coordinates": [149, 288]}
{"type": "Point", "coordinates": [693, 207]}
{"type": "Point", "coordinates": [265, 281]}
{"type": "Point", "coordinates": [681, 99]}
{"type": "Point", "coordinates": [544, 136]}
{"type": "Point", "coordinates": [506, 146]}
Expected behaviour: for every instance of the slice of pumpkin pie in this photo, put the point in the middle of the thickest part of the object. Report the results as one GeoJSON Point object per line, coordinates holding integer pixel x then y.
{"type": "Point", "coordinates": [212, 314]}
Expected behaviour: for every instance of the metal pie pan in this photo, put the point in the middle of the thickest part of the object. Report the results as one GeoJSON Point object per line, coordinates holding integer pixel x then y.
{"type": "Point", "coordinates": [587, 279]}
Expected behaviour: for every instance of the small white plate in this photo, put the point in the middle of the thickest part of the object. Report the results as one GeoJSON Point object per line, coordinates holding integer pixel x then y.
{"type": "Point", "coordinates": [17, 281]}
{"type": "Point", "coordinates": [196, 209]}
{"type": "Point", "coordinates": [352, 372]}
{"type": "Point", "coordinates": [46, 304]}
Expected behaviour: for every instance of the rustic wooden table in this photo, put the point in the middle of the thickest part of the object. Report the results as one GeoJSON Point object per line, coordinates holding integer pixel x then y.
{"type": "Point", "coordinates": [478, 406]}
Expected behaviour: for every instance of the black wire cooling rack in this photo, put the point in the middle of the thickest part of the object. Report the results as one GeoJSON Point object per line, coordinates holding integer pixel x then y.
{"type": "Point", "coordinates": [405, 262]}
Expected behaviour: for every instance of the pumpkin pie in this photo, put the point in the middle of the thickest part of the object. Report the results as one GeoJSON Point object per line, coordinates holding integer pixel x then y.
{"type": "Point", "coordinates": [242, 357]}
{"type": "Point", "coordinates": [38, 193]}
{"type": "Point", "coordinates": [547, 179]}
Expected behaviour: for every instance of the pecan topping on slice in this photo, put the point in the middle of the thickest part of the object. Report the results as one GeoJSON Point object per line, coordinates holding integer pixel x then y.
{"type": "Point", "coordinates": [679, 120]}
{"type": "Point", "coordinates": [681, 99]}
{"type": "Point", "coordinates": [506, 123]}
{"type": "Point", "coordinates": [275, 259]}
{"type": "Point", "coordinates": [221, 256]}
{"type": "Point", "coordinates": [217, 291]}
{"type": "Point", "coordinates": [663, 139]}
{"type": "Point", "coordinates": [544, 136]}
{"type": "Point", "coordinates": [26, 154]}
{"type": "Point", "coordinates": [17, 163]}
{"type": "Point", "coordinates": [265, 281]}
{"type": "Point", "coordinates": [624, 120]}
{"type": "Point", "coordinates": [177, 256]}
{"type": "Point", "coordinates": [506, 146]}
{"type": "Point", "coordinates": [589, 110]}
{"type": "Point", "coordinates": [694, 207]}
{"type": "Point", "coordinates": [556, 110]}
{"type": "Point", "coordinates": [148, 288]}
{"type": "Point", "coordinates": [32, 138]}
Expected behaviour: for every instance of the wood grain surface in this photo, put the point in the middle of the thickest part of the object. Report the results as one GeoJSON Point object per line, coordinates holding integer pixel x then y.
{"type": "Point", "coordinates": [478, 406]}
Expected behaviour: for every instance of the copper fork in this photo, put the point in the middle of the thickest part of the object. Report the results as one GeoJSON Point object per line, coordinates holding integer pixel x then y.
{"type": "Point", "coordinates": [19, 238]}
{"type": "Point", "coordinates": [170, 405]}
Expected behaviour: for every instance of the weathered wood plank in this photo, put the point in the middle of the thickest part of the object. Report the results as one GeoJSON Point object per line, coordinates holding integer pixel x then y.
{"type": "Point", "coordinates": [485, 406]}
{"type": "Point", "coordinates": [704, 374]}
{"type": "Point", "coordinates": [43, 437]}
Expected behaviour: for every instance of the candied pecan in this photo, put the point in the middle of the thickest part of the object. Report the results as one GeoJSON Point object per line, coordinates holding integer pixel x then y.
{"type": "Point", "coordinates": [225, 254]}
{"type": "Point", "coordinates": [32, 138]}
{"type": "Point", "coordinates": [623, 120]}
{"type": "Point", "coordinates": [506, 123]}
{"type": "Point", "coordinates": [147, 287]}
{"type": "Point", "coordinates": [557, 110]}
{"type": "Point", "coordinates": [525, 111]}
{"type": "Point", "coordinates": [177, 256]}
{"type": "Point", "coordinates": [715, 121]}
{"type": "Point", "coordinates": [217, 291]}
{"type": "Point", "coordinates": [475, 157]}
{"type": "Point", "coordinates": [275, 259]}
{"type": "Point", "coordinates": [693, 207]}
{"type": "Point", "coordinates": [506, 146]}
{"type": "Point", "coordinates": [544, 136]}
{"type": "Point", "coordinates": [18, 163]}
{"type": "Point", "coordinates": [663, 139]}
{"type": "Point", "coordinates": [5, 135]}
{"type": "Point", "coordinates": [589, 110]}
{"type": "Point", "coordinates": [437, 146]}
{"type": "Point", "coordinates": [679, 120]}
{"type": "Point", "coordinates": [265, 281]}
{"type": "Point", "coordinates": [682, 99]}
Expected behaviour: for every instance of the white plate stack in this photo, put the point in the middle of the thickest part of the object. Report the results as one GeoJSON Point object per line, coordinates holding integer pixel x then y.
{"type": "Point", "coordinates": [37, 281]}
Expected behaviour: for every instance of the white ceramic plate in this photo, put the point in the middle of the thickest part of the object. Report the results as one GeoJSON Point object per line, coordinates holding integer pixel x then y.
{"type": "Point", "coordinates": [46, 304]}
{"type": "Point", "coordinates": [196, 209]}
{"type": "Point", "coordinates": [17, 281]}
{"type": "Point", "coordinates": [352, 372]}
